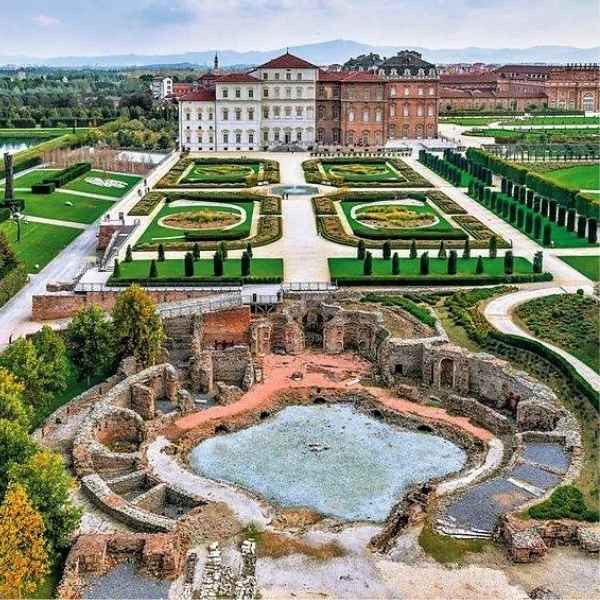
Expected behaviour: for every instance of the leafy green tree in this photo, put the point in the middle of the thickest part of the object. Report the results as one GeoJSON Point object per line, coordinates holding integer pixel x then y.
{"type": "Point", "coordinates": [196, 251]}
{"type": "Point", "coordinates": [8, 258]}
{"type": "Point", "coordinates": [218, 264]}
{"type": "Point", "coordinates": [90, 342]}
{"type": "Point", "coordinates": [153, 274]}
{"type": "Point", "coordinates": [493, 246]}
{"type": "Point", "coordinates": [479, 266]}
{"type": "Point", "coordinates": [452, 262]}
{"type": "Point", "coordinates": [424, 264]}
{"type": "Point", "coordinates": [387, 250]}
{"type": "Point", "coordinates": [442, 250]}
{"type": "Point", "coordinates": [395, 264]}
{"type": "Point", "coordinates": [22, 360]}
{"type": "Point", "coordinates": [360, 250]}
{"type": "Point", "coordinates": [128, 254]}
{"type": "Point", "coordinates": [467, 249]}
{"type": "Point", "coordinates": [413, 249]}
{"type": "Point", "coordinates": [246, 264]}
{"type": "Point", "coordinates": [509, 262]}
{"type": "Point", "coordinates": [368, 264]}
{"type": "Point", "coordinates": [48, 485]}
{"type": "Point", "coordinates": [188, 264]}
{"type": "Point", "coordinates": [138, 328]}
{"type": "Point", "coordinates": [15, 447]}
{"type": "Point", "coordinates": [161, 253]}
{"type": "Point", "coordinates": [53, 366]}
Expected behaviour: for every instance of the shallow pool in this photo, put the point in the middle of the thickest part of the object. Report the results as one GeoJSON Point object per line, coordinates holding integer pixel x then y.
{"type": "Point", "coordinates": [333, 459]}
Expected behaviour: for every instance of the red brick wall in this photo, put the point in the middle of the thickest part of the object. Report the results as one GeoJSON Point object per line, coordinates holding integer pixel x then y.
{"type": "Point", "coordinates": [226, 327]}
{"type": "Point", "coordinates": [62, 306]}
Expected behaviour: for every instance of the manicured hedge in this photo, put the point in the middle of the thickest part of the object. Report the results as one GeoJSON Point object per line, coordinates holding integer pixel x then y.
{"type": "Point", "coordinates": [498, 165]}
{"type": "Point", "coordinates": [69, 174]}
{"type": "Point", "coordinates": [42, 188]}
{"type": "Point", "coordinates": [194, 281]}
{"type": "Point", "coordinates": [441, 280]}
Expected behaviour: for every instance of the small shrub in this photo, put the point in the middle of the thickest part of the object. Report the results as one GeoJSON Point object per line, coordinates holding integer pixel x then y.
{"type": "Point", "coordinates": [566, 502]}
{"type": "Point", "coordinates": [479, 266]}
{"type": "Point", "coordinates": [117, 269]}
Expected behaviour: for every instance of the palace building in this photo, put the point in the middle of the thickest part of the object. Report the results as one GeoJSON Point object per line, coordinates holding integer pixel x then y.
{"type": "Point", "coordinates": [289, 102]}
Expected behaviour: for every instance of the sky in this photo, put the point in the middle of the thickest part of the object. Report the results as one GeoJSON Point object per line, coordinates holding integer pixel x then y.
{"type": "Point", "coordinates": [100, 27]}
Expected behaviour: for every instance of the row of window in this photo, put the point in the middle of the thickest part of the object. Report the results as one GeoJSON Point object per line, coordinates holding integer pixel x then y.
{"type": "Point", "coordinates": [237, 137]}
{"type": "Point", "coordinates": [371, 93]}
{"type": "Point", "coordinates": [367, 138]}
{"type": "Point", "coordinates": [277, 76]}
{"type": "Point", "coordinates": [274, 112]}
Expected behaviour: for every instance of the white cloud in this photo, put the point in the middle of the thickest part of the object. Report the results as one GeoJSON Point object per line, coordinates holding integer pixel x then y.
{"type": "Point", "coordinates": [46, 20]}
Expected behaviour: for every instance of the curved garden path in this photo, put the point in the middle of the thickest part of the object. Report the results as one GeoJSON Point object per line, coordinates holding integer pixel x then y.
{"type": "Point", "coordinates": [499, 312]}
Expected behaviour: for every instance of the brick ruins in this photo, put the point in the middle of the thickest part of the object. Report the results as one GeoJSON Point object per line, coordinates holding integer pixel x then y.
{"type": "Point", "coordinates": [222, 354]}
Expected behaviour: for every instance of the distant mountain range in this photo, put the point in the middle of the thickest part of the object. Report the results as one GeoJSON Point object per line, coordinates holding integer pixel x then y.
{"type": "Point", "coordinates": [335, 51]}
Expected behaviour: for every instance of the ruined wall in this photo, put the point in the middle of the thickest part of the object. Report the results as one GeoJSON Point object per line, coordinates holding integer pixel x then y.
{"type": "Point", "coordinates": [231, 366]}
{"type": "Point", "coordinates": [226, 327]}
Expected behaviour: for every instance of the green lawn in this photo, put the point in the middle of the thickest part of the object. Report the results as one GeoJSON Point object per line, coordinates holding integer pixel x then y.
{"type": "Point", "coordinates": [40, 243]}
{"type": "Point", "coordinates": [33, 177]}
{"type": "Point", "coordinates": [203, 268]}
{"type": "Point", "coordinates": [54, 206]}
{"type": "Point", "coordinates": [534, 135]}
{"type": "Point", "coordinates": [156, 232]}
{"type": "Point", "coordinates": [224, 172]}
{"type": "Point", "coordinates": [442, 226]}
{"type": "Point", "coordinates": [409, 267]}
{"type": "Point", "coordinates": [569, 321]}
{"type": "Point", "coordinates": [363, 172]}
{"type": "Point", "coordinates": [586, 177]}
{"type": "Point", "coordinates": [586, 265]}
{"type": "Point", "coordinates": [469, 121]}
{"type": "Point", "coordinates": [81, 185]}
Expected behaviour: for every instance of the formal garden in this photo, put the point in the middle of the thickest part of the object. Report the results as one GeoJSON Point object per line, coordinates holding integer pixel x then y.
{"type": "Point", "coordinates": [220, 173]}
{"type": "Point", "coordinates": [570, 321]}
{"type": "Point", "coordinates": [586, 265]}
{"type": "Point", "coordinates": [535, 135]}
{"type": "Point", "coordinates": [363, 172]}
{"type": "Point", "coordinates": [401, 217]}
{"type": "Point", "coordinates": [180, 220]}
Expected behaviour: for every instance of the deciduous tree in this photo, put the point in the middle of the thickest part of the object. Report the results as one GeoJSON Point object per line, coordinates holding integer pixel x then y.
{"type": "Point", "coordinates": [24, 560]}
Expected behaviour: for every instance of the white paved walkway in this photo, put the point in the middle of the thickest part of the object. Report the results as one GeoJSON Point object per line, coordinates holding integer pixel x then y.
{"type": "Point", "coordinates": [499, 313]}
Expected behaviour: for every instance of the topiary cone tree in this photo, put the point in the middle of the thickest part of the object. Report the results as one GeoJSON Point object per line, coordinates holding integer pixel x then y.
{"type": "Point", "coordinates": [571, 214]}
{"type": "Point", "coordinates": [479, 265]}
{"type": "Point", "coordinates": [360, 250]}
{"type": "Point", "coordinates": [153, 270]}
{"type": "Point", "coordinates": [246, 264]}
{"type": "Point", "coordinates": [547, 237]}
{"type": "Point", "coordinates": [395, 264]}
{"type": "Point", "coordinates": [537, 227]}
{"type": "Point", "coordinates": [222, 249]}
{"type": "Point", "coordinates": [368, 264]}
{"type": "Point", "coordinates": [117, 269]}
{"type": "Point", "coordinates": [442, 250]}
{"type": "Point", "coordinates": [509, 262]}
{"type": "Point", "coordinates": [493, 246]}
{"type": "Point", "coordinates": [538, 262]}
{"type": "Point", "coordinates": [592, 231]}
{"type": "Point", "coordinates": [161, 253]}
{"type": "Point", "coordinates": [196, 251]}
{"type": "Point", "coordinates": [218, 264]}
{"type": "Point", "coordinates": [413, 249]}
{"type": "Point", "coordinates": [387, 250]}
{"type": "Point", "coordinates": [249, 249]}
{"type": "Point", "coordinates": [128, 254]}
{"type": "Point", "coordinates": [581, 226]}
{"type": "Point", "coordinates": [188, 264]}
{"type": "Point", "coordinates": [424, 264]}
{"type": "Point", "coordinates": [467, 249]}
{"type": "Point", "coordinates": [452, 262]}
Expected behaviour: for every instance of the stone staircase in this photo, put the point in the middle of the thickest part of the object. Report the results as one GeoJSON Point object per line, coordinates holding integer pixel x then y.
{"type": "Point", "coordinates": [277, 332]}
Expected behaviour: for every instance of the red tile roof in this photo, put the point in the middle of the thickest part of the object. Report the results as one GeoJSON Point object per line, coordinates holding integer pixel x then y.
{"type": "Point", "coordinates": [287, 61]}
{"type": "Point", "coordinates": [236, 78]}
{"type": "Point", "coordinates": [199, 95]}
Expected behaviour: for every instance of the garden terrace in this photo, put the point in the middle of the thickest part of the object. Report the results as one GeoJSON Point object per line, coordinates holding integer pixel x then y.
{"type": "Point", "coordinates": [350, 271]}
{"type": "Point", "coordinates": [574, 175]}
{"type": "Point", "coordinates": [220, 172]}
{"type": "Point", "coordinates": [338, 220]}
{"type": "Point", "coordinates": [363, 172]}
{"type": "Point", "coordinates": [586, 265]}
{"type": "Point", "coordinates": [172, 271]}
{"type": "Point", "coordinates": [569, 321]}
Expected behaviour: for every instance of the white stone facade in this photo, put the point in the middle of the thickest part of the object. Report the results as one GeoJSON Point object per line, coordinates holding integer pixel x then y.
{"type": "Point", "coordinates": [161, 87]}
{"type": "Point", "coordinates": [272, 106]}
